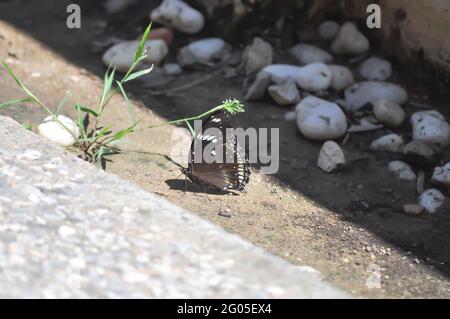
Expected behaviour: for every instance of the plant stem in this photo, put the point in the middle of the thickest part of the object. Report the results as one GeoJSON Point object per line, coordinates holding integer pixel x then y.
{"type": "Point", "coordinates": [35, 99]}
{"type": "Point", "coordinates": [193, 118]}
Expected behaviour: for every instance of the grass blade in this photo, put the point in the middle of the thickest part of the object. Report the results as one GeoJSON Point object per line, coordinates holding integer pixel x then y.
{"type": "Point", "coordinates": [130, 109]}
{"type": "Point", "coordinates": [62, 103]}
{"type": "Point", "coordinates": [137, 74]}
{"type": "Point", "coordinates": [107, 83]}
{"type": "Point", "coordinates": [190, 128]}
{"type": "Point", "coordinates": [86, 109]}
{"type": "Point", "coordinates": [80, 121]}
{"type": "Point", "coordinates": [22, 86]}
{"type": "Point", "coordinates": [11, 102]}
{"type": "Point", "coordinates": [35, 99]}
{"type": "Point", "coordinates": [140, 50]}
{"type": "Point", "coordinates": [27, 126]}
{"type": "Point", "coordinates": [122, 133]}
{"type": "Point", "coordinates": [102, 132]}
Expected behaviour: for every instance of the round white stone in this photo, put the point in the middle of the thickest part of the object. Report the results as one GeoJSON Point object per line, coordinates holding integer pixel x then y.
{"type": "Point", "coordinates": [402, 170]}
{"type": "Point", "coordinates": [388, 143]}
{"type": "Point", "coordinates": [53, 131]}
{"type": "Point", "coordinates": [205, 49]}
{"type": "Point", "coordinates": [121, 55]}
{"type": "Point", "coordinates": [328, 30]}
{"type": "Point", "coordinates": [430, 127]}
{"type": "Point", "coordinates": [389, 113]}
{"type": "Point", "coordinates": [201, 51]}
{"type": "Point", "coordinates": [281, 73]}
{"type": "Point", "coordinates": [321, 120]}
{"type": "Point", "coordinates": [375, 69]}
{"type": "Point", "coordinates": [178, 15]}
{"type": "Point", "coordinates": [172, 69]}
{"type": "Point", "coordinates": [441, 176]}
{"type": "Point", "coordinates": [314, 77]}
{"type": "Point", "coordinates": [350, 41]}
{"type": "Point", "coordinates": [342, 77]}
{"type": "Point", "coordinates": [257, 55]}
{"type": "Point", "coordinates": [431, 200]}
{"type": "Point", "coordinates": [361, 93]}
{"type": "Point", "coordinates": [306, 54]}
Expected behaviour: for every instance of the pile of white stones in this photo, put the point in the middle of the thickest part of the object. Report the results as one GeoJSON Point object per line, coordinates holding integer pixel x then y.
{"type": "Point", "coordinates": [304, 85]}
{"type": "Point", "coordinates": [314, 76]}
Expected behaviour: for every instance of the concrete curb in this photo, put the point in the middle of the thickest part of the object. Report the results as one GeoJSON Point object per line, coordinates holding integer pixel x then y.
{"type": "Point", "coordinates": [70, 230]}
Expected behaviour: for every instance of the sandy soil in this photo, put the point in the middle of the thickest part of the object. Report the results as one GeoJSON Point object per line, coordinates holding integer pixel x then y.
{"type": "Point", "coordinates": [342, 224]}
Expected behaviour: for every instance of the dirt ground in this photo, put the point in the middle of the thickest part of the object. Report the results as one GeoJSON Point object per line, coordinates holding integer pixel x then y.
{"type": "Point", "coordinates": [342, 224]}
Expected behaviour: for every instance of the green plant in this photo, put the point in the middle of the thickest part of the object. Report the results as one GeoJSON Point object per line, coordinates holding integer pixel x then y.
{"type": "Point", "coordinates": [95, 142]}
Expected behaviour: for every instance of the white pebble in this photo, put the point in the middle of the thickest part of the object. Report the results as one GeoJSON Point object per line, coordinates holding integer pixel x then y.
{"type": "Point", "coordinates": [330, 157]}
{"type": "Point", "coordinates": [257, 56]}
{"type": "Point", "coordinates": [284, 94]}
{"type": "Point", "coordinates": [53, 131]}
{"type": "Point", "coordinates": [314, 77]}
{"type": "Point", "coordinates": [362, 93]}
{"type": "Point", "coordinates": [375, 69]}
{"type": "Point", "coordinates": [388, 143]}
{"type": "Point", "coordinates": [177, 14]}
{"type": "Point", "coordinates": [202, 51]}
{"type": "Point", "coordinates": [402, 170]}
{"type": "Point", "coordinates": [431, 200]}
{"type": "Point", "coordinates": [281, 73]}
{"type": "Point", "coordinates": [342, 77]}
{"type": "Point", "coordinates": [318, 119]}
{"type": "Point", "coordinates": [328, 30]}
{"type": "Point", "coordinates": [121, 55]}
{"type": "Point", "coordinates": [413, 209]}
{"type": "Point", "coordinates": [389, 113]}
{"type": "Point", "coordinates": [441, 176]}
{"type": "Point", "coordinates": [350, 41]}
{"type": "Point", "coordinates": [307, 53]}
{"type": "Point", "coordinates": [172, 69]}
{"type": "Point", "coordinates": [430, 127]}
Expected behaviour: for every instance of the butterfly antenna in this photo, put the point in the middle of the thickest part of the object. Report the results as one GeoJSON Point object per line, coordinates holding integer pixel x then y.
{"type": "Point", "coordinates": [172, 161]}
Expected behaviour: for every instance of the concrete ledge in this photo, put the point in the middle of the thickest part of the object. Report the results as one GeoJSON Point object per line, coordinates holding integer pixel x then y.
{"type": "Point", "coordinates": [68, 230]}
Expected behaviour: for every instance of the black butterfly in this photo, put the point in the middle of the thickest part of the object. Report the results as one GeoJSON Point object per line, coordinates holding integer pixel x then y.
{"type": "Point", "coordinates": [227, 175]}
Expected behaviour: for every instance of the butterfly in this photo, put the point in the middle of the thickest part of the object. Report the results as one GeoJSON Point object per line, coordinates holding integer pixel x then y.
{"type": "Point", "coordinates": [218, 175]}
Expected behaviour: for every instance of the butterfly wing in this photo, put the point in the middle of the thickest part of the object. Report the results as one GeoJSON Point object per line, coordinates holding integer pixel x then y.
{"type": "Point", "coordinates": [229, 174]}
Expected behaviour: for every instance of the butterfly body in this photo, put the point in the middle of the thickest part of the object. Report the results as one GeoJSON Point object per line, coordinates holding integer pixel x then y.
{"type": "Point", "coordinates": [230, 173]}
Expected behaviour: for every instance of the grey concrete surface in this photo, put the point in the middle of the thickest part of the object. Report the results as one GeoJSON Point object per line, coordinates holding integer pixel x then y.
{"type": "Point", "coordinates": [70, 230]}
